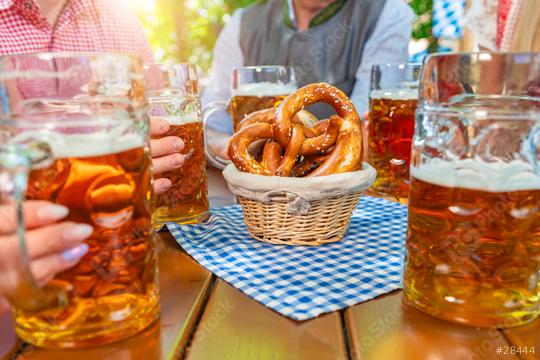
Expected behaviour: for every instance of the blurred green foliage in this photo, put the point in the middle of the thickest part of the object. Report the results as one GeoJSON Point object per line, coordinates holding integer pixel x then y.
{"type": "Point", "coordinates": [186, 30]}
{"type": "Point", "coordinates": [422, 26]}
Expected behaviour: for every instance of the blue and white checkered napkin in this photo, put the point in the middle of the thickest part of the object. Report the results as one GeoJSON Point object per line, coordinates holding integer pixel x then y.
{"type": "Point", "coordinates": [304, 282]}
{"type": "Point", "coordinates": [448, 18]}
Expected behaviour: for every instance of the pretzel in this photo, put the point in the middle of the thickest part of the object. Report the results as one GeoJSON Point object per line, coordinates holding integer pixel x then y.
{"type": "Point", "coordinates": [292, 151]}
{"type": "Point", "coordinates": [303, 117]}
{"type": "Point", "coordinates": [307, 165]}
{"type": "Point", "coordinates": [347, 153]}
{"type": "Point", "coordinates": [271, 157]}
{"type": "Point", "coordinates": [239, 143]}
{"type": "Point", "coordinates": [295, 147]}
{"type": "Point", "coordinates": [324, 136]}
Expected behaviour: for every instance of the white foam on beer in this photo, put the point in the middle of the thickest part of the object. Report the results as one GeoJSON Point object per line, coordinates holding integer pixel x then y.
{"type": "Point", "coordinates": [478, 175]}
{"type": "Point", "coordinates": [264, 89]}
{"type": "Point", "coordinates": [84, 145]}
{"type": "Point", "coordinates": [181, 119]}
{"type": "Point", "coordinates": [395, 94]}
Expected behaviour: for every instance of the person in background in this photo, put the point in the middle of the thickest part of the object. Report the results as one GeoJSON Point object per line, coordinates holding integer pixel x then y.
{"type": "Point", "coordinates": [505, 25]}
{"type": "Point", "coordinates": [335, 41]}
{"type": "Point", "coordinates": [28, 26]}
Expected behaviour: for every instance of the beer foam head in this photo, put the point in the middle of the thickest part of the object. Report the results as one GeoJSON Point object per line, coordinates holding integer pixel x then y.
{"type": "Point", "coordinates": [83, 145]}
{"type": "Point", "coordinates": [475, 174]}
{"type": "Point", "coordinates": [264, 89]}
{"type": "Point", "coordinates": [181, 119]}
{"type": "Point", "coordinates": [395, 94]}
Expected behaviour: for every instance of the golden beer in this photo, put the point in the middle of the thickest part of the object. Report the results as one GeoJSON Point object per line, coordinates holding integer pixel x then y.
{"type": "Point", "coordinates": [248, 98]}
{"type": "Point", "coordinates": [187, 200]}
{"type": "Point", "coordinates": [390, 132]}
{"type": "Point", "coordinates": [473, 242]}
{"type": "Point", "coordinates": [243, 105]}
{"type": "Point", "coordinates": [112, 292]}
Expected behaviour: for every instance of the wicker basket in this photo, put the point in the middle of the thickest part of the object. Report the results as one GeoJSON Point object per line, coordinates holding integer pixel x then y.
{"type": "Point", "coordinates": [326, 222]}
{"type": "Point", "coordinates": [298, 211]}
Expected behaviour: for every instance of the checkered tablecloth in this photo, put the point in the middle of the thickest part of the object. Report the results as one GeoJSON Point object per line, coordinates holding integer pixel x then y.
{"type": "Point", "coordinates": [304, 282]}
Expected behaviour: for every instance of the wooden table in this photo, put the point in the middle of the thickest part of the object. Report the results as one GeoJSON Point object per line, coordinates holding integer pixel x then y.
{"type": "Point", "coordinates": [203, 317]}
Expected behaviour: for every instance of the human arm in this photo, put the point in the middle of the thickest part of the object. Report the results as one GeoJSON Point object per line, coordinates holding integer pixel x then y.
{"type": "Point", "coordinates": [227, 55]}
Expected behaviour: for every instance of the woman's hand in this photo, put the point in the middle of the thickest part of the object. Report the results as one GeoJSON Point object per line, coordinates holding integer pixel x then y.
{"type": "Point", "coordinates": [52, 247]}
{"type": "Point", "coordinates": [165, 153]}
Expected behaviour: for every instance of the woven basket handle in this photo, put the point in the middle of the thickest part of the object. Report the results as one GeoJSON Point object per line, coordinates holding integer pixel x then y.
{"type": "Point", "coordinates": [297, 205]}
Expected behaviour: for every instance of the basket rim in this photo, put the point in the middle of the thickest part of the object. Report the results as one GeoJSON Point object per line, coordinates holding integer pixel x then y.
{"type": "Point", "coordinates": [250, 185]}
{"type": "Point", "coordinates": [366, 168]}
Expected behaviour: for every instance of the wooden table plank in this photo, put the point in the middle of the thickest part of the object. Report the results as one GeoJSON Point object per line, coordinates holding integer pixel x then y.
{"type": "Point", "coordinates": [385, 328]}
{"type": "Point", "coordinates": [526, 336]}
{"type": "Point", "coordinates": [237, 327]}
{"type": "Point", "coordinates": [184, 285]}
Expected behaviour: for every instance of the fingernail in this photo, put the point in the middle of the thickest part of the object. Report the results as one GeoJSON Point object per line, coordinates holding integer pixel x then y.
{"type": "Point", "coordinates": [178, 145]}
{"type": "Point", "coordinates": [78, 232]}
{"type": "Point", "coordinates": [52, 212]}
{"type": "Point", "coordinates": [178, 160]}
{"type": "Point", "coordinates": [75, 253]}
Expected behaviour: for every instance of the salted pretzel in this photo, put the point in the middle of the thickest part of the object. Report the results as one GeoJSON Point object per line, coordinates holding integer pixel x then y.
{"type": "Point", "coordinates": [272, 152]}
{"type": "Point", "coordinates": [267, 116]}
{"type": "Point", "coordinates": [347, 152]}
{"type": "Point", "coordinates": [271, 157]}
{"type": "Point", "coordinates": [307, 164]}
{"type": "Point", "coordinates": [322, 135]}
{"type": "Point", "coordinates": [295, 147]}
{"type": "Point", "coordinates": [239, 144]}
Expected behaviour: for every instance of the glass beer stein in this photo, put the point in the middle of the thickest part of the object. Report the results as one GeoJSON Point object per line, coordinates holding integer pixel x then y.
{"type": "Point", "coordinates": [173, 95]}
{"type": "Point", "coordinates": [74, 131]}
{"type": "Point", "coordinates": [473, 240]}
{"type": "Point", "coordinates": [392, 103]}
{"type": "Point", "coordinates": [253, 88]}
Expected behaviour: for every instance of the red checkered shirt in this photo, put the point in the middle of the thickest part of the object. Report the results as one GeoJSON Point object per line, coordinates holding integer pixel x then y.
{"type": "Point", "coordinates": [83, 25]}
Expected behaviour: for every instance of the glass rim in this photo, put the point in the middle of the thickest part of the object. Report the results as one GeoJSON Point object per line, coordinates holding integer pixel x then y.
{"type": "Point", "coordinates": [74, 55]}
{"type": "Point", "coordinates": [397, 64]}
{"type": "Point", "coordinates": [182, 77]}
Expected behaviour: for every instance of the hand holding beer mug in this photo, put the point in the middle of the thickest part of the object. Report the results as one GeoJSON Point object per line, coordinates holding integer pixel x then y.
{"type": "Point", "coordinates": [253, 88]}
{"type": "Point", "coordinates": [74, 132]}
{"type": "Point", "coordinates": [392, 103]}
{"type": "Point", "coordinates": [166, 153]}
{"type": "Point", "coordinates": [52, 246]}
{"type": "Point", "coordinates": [473, 241]}
{"type": "Point", "coordinates": [173, 96]}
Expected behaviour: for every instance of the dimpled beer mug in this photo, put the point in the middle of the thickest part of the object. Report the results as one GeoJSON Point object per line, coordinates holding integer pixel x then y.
{"type": "Point", "coordinates": [173, 95]}
{"type": "Point", "coordinates": [253, 88]}
{"type": "Point", "coordinates": [392, 103]}
{"type": "Point", "coordinates": [74, 131]}
{"type": "Point", "coordinates": [473, 240]}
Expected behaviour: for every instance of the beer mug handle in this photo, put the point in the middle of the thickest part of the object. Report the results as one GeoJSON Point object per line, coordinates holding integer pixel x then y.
{"type": "Point", "coordinates": [15, 164]}
{"type": "Point", "coordinates": [213, 158]}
